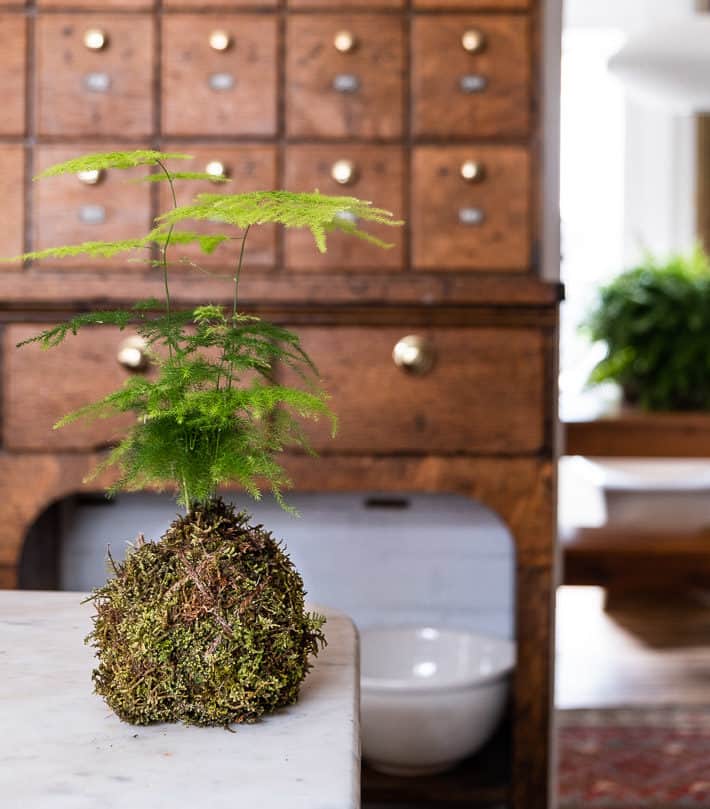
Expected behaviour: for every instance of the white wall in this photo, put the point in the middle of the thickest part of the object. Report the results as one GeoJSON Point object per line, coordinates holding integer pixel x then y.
{"type": "Point", "coordinates": [444, 560]}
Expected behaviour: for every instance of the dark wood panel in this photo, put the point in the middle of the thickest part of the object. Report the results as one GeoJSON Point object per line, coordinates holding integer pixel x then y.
{"type": "Point", "coordinates": [13, 33]}
{"type": "Point", "coordinates": [501, 106]}
{"type": "Point", "coordinates": [69, 211]}
{"type": "Point", "coordinates": [222, 4]}
{"type": "Point", "coordinates": [378, 174]}
{"type": "Point", "coordinates": [12, 193]}
{"type": "Point", "coordinates": [487, 5]}
{"type": "Point", "coordinates": [484, 393]}
{"type": "Point", "coordinates": [219, 92]}
{"type": "Point", "coordinates": [95, 92]}
{"type": "Point", "coordinates": [133, 5]}
{"type": "Point", "coordinates": [346, 4]}
{"type": "Point", "coordinates": [498, 237]}
{"type": "Point", "coordinates": [642, 435]}
{"type": "Point", "coordinates": [318, 103]}
{"type": "Point", "coordinates": [248, 168]}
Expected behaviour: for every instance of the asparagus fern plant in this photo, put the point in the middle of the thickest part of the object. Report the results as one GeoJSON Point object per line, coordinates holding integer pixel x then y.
{"type": "Point", "coordinates": [211, 413]}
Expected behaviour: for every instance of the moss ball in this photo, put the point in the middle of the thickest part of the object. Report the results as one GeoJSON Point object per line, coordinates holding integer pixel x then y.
{"type": "Point", "coordinates": [207, 626]}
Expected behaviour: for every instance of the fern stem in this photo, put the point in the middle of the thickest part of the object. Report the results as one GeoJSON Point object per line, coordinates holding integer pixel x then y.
{"type": "Point", "coordinates": [239, 271]}
{"type": "Point", "coordinates": [164, 254]}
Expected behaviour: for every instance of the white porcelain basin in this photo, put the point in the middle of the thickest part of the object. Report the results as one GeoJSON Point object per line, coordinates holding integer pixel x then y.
{"type": "Point", "coordinates": [430, 697]}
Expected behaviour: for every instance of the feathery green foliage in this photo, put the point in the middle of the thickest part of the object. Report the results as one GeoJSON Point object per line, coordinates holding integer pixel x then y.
{"type": "Point", "coordinates": [210, 412]}
{"type": "Point", "coordinates": [102, 161]}
{"type": "Point", "coordinates": [319, 213]}
{"type": "Point", "coordinates": [655, 321]}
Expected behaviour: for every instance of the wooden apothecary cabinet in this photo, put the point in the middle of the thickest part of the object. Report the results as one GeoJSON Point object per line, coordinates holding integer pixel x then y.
{"type": "Point", "coordinates": [442, 110]}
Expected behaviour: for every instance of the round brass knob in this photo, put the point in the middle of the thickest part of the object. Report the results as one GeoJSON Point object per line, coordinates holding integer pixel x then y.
{"type": "Point", "coordinates": [95, 39]}
{"type": "Point", "coordinates": [220, 40]}
{"type": "Point", "coordinates": [414, 355]}
{"type": "Point", "coordinates": [345, 42]}
{"type": "Point", "coordinates": [472, 171]}
{"type": "Point", "coordinates": [344, 172]}
{"type": "Point", "coordinates": [132, 354]}
{"type": "Point", "coordinates": [217, 170]}
{"type": "Point", "coordinates": [473, 40]}
{"type": "Point", "coordinates": [90, 176]}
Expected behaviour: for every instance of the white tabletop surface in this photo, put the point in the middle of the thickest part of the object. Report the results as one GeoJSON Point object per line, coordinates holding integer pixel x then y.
{"type": "Point", "coordinates": [62, 748]}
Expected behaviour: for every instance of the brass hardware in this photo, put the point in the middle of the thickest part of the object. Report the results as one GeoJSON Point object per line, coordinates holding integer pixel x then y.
{"type": "Point", "coordinates": [344, 172]}
{"type": "Point", "coordinates": [90, 176]}
{"type": "Point", "coordinates": [95, 39]}
{"type": "Point", "coordinates": [132, 354]}
{"type": "Point", "coordinates": [220, 40]}
{"type": "Point", "coordinates": [345, 42]}
{"type": "Point", "coordinates": [414, 355]}
{"type": "Point", "coordinates": [217, 170]}
{"type": "Point", "coordinates": [473, 40]}
{"type": "Point", "coordinates": [472, 171]}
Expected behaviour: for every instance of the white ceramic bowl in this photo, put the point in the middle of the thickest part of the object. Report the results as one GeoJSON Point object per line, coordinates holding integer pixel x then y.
{"type": "Point", "coordinates": [430, 697]}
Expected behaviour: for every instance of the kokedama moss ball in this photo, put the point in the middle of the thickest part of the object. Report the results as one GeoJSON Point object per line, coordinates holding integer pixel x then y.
{"type": "Point", "coordinates": [206, 626]}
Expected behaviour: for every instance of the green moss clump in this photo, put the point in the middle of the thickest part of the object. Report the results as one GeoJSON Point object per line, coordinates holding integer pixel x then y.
{"type": "Point", "coordinates": [206, 626]}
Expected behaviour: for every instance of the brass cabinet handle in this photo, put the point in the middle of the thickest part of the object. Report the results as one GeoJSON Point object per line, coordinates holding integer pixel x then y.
{"type": "Point", "coordinates": [220, 40]}
{"type": "Point", "coordinates": [132, 354]}
{"type": "Point", "coordinates": [217, 170]}
{"type": "Point", "coordinates": [90, 176]}
{"type": "Point", "coordinates": [473, 40]}
{"type": "Point", "coordinates": [345, 42]}
{"type": "Point", "coordinates": [95, 39]}
{"type": "Point", "coordinates": [344, 172]}
{"type": "Point", "coordinates": [472, 171]}
{"type": "Point", "coordinates": [414, 354]}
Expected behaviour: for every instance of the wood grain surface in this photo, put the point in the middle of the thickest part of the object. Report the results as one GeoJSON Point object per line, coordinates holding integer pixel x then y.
{"type": "Point", "coordinates": [13, 44]}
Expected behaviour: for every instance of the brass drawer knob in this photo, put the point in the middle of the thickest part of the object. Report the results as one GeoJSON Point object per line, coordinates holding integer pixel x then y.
{"type": "Point", "coordinates": [345, 42]}
{"type": "Point", "coordinates": [220, 40]}
{"type": "Point", "coordinates": [344, 172]}
{"type": "Point", "coordinates": [132, 354]}
{"type": "Point", "coordinates": [472, 171]}
{"type": "Point", "coordinates": [217, 170]}
{"type": "Point", "coordinates": [473, 40]}
{"type": "Point", "coordinates": [95, 39]}
{"type": "Point", "coordinates": [90, 176]}
{"type": "Point", "coordinates": [414, 355]}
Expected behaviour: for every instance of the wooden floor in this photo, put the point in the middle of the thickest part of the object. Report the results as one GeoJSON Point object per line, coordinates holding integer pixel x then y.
{"type": "Point", "coordinates": [654, 651]}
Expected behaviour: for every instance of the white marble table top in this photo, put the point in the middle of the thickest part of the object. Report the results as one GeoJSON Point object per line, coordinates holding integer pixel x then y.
{"type": "Point", "coordinates": [62, 748]}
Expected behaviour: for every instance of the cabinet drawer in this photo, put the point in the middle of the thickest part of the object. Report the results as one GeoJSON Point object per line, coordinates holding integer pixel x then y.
{"type": "Point", "coordinates": [488, 5]}
{"type": "Point", "coordinates": [42, 386]}
{"type": "Point", "coordinates": [484, 393]}
{"type": "Point", "coordinates": [483, 91]}
{"type": "Point", "coordinates": [85, 87]}
{"type": "Point", "coordinates": [345, 76]}
{"type": "Point", "coordinates": [369, 172]}
{"type": "Point", "coordinates": [219, 74]}
{"type": "Point", "coordinates": [70, 211]}
{"type": "Point", "coordinates": [192, 4]}
{"type": "Point", "coordinates": [249, 168]}
{"type": "Point", "coordinates": [346, 4]}
{"type": "Point", "coordinates": [13, 33]}
{"type": "Point", "coordinates": [480, 221]}
{"type": "Point", "coordinates": [12, 193]}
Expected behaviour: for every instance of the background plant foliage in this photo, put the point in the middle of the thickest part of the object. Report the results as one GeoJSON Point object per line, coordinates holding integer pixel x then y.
{"type": "Point", "coordinates": [211, 414]}
{"type": "Point", "coordinates": [655, 321]}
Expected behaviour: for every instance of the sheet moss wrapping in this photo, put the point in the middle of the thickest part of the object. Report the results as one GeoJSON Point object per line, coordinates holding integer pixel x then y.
{"type": "Point", "coordinates": [207, 626]}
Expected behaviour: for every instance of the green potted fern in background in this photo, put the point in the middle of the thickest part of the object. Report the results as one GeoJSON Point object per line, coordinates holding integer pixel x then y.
{"type": "Point", "coordinates": [207, 625]}
{"type": "Point", "coordinates": [655, 322]}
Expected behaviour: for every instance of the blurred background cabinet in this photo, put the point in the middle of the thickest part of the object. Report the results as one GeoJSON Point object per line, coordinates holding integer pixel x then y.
{"type": "Point", "coordinates": [440, 353]}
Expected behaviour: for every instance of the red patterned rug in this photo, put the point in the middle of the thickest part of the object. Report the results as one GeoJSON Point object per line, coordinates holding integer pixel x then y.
{"type": "Point", "coordinates": [635, 758]}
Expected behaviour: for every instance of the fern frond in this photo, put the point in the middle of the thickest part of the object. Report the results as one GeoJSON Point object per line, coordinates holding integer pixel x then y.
{"type": "Point", "coordinates": [208, 243]}
{"type": "Point", "coordinates": [101, 161]}
{"type": "Point", "coordinates": [181, 175]}
{"type": "Point", "coordinates": [317, 212]}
